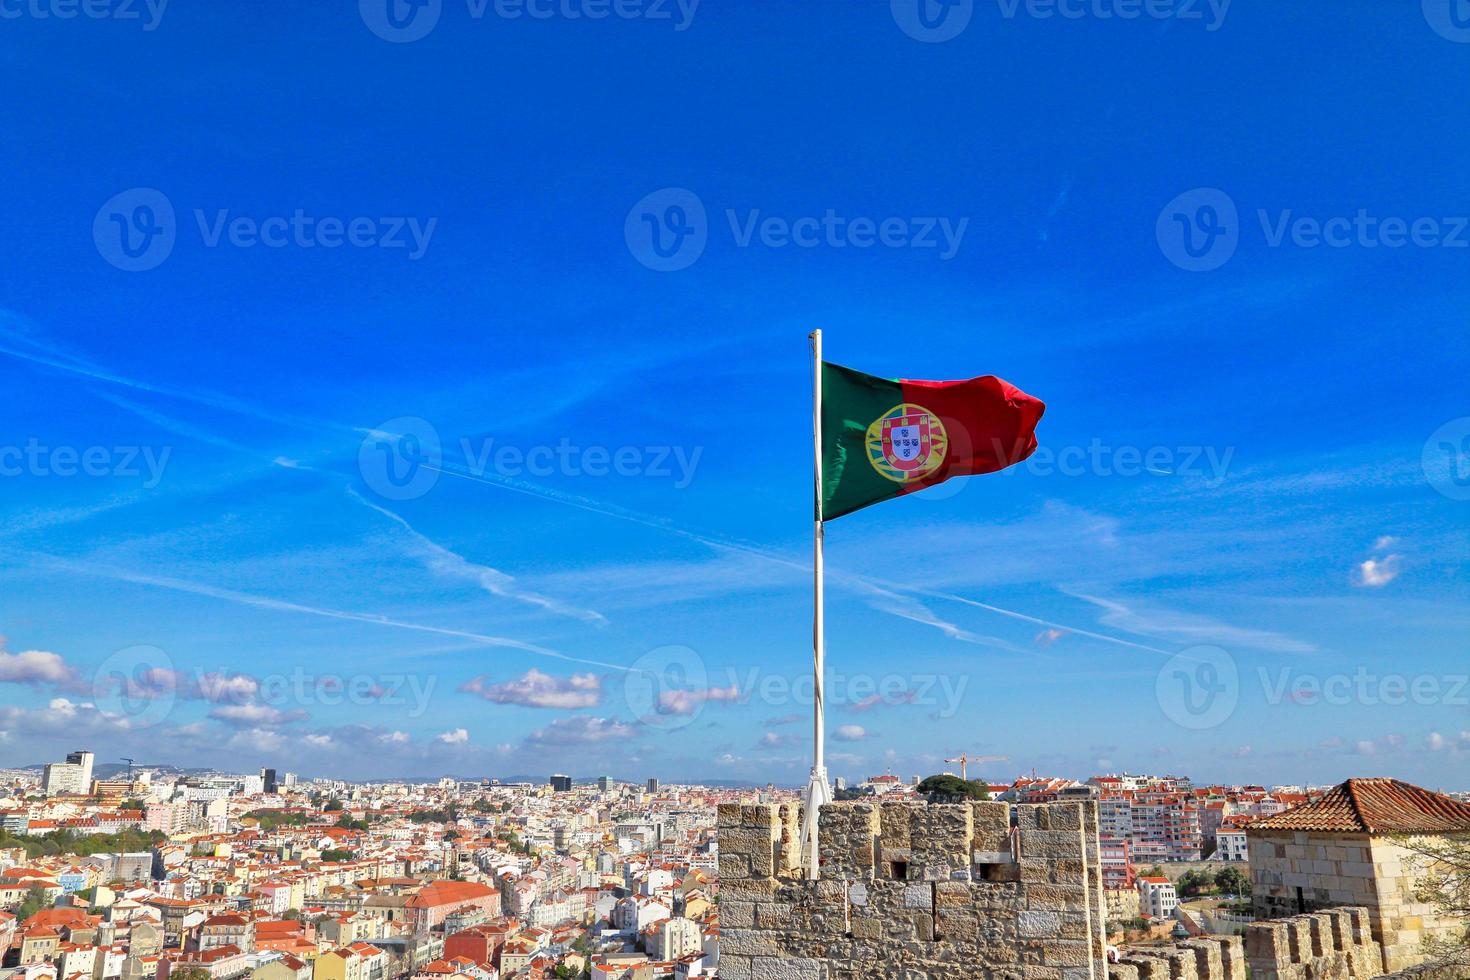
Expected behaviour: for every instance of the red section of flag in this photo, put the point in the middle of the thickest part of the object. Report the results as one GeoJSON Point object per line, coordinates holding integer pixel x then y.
{"type": "Point", "coordinates": [989, 422]}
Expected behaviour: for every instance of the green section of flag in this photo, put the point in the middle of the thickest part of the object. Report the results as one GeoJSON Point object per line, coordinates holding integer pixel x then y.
{"type": "Point", "coordinates": [851, 401]}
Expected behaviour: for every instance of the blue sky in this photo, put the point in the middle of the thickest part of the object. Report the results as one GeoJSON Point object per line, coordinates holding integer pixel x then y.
{"type": "Point", "coordinates": [1225, 244]}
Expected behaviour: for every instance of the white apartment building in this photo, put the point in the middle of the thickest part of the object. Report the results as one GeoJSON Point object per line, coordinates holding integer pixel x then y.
{"type": "Point", "coordinates": [672, 939]}
{"type": "Point", "coordinates": [1156, 897]}
{"type": "Point", "coordinates": [1230, 842]}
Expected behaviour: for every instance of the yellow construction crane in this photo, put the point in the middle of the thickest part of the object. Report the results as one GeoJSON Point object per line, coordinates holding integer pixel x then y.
{"type": "Point", "coordinates": [963, 760]}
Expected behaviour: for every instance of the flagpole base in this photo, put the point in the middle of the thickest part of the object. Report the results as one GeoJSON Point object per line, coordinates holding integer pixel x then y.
{"type": "Point", "coordinates": [818, 792]}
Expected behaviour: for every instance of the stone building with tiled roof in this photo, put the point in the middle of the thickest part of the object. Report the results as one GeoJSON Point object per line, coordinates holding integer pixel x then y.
{"type": "Point", "coordinates": [1354, 846]}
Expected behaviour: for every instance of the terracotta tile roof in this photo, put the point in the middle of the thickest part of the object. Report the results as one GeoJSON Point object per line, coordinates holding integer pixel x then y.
{"type": "Point", "coordinates": [1373, 806]}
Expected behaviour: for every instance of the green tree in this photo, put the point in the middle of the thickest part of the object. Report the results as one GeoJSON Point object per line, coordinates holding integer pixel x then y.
{"type": "Point", "coordinates": [945, 788]}
{"type": "Point", "coordinates": [1194, 883]}
{"type": "Point", "coordinates": [1233, 881]}
{"type": "Point", "coordinates": [333, 805]}
{"type": "Point", "coordinates": [271, 819]}
{"type": "Point", "coordinates": [34, 902]}
{"type": "Point", "coordinates": [337, 854]}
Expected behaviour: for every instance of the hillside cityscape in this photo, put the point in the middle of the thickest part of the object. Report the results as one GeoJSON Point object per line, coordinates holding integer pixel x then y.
{"type": "Point", "coordinates": [150, 872]}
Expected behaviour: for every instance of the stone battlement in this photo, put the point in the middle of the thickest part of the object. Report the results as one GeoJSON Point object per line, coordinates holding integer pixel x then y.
{"type": "Point", "coordinates": [1210, 958]}
{"type": "Point", "coordinates": [910, 890]}
{"type": "Point", "coordinates": [1336, 944]}
{"type": "Point", "coordinates": [1333, 943]}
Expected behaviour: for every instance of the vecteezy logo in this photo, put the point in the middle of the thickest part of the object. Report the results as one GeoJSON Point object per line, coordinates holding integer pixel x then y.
{"type": "Point", "coordinates": [907, 443]}
{"type": "Point", "coordinates": [1449, 18]}
{"type": "Point", "coordinates": [400, 21]}
{"type": "Point", "coordinates": [400, 459]}
{"type": "Point", "coordinates": [932, 21]}
{"type": "Point", "coordinates": [135, 230]}
{"type": "Point", "coordinates": [667, 687]}
{"type": "Point", "coordinates": [135, 687]}
{"type": "Point", "coordinates": [1198, 688]}
{"type": "Point", "coordinates": [667, 230]}
{"type": "Point", "coordinates": [1446, 459]}
{"type": "Point", "coordinates": [1198, 230]}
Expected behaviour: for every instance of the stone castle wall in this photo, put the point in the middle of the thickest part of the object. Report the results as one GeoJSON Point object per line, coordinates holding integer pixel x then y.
{"type": "Point", "coordinates": [913, 891]}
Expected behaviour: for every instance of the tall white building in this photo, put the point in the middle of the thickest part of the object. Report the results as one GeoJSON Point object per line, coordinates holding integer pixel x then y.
{"type": "Point", "coordinates": [72, 776]}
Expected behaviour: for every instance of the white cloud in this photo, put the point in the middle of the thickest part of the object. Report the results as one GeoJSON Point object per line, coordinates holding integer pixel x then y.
{"type": "Point", "coordinates": [580, 730]}
{"type": "Point", "coordinates": [677, 702]}
{"type": "Point", "coordinates": [455, 736]}
{"type": "Point", "coordinates": [850, 733]}
{"type": "Point", "coordinates": [535, 689]}
{"type": "Point", "coordinates": [36, 667]}
{"type": "Point", "coordinates": [1377, 572]}
{"type": "Point", "coordinates": [156, 683]}
{"type": "Point", "coordinates": [255, 715]}
{"type": "Point", "coordinates": [1385, 542]}
{"type": "Point", "coordinates": [1049, 636]}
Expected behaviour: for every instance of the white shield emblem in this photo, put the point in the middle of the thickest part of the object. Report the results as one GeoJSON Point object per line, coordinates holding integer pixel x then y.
{"type": "Point", "coordinates": [907, 441]}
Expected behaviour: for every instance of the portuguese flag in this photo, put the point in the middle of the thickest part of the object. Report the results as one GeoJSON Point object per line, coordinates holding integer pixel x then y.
{"type": "Point", "coordinates": [883, 438]}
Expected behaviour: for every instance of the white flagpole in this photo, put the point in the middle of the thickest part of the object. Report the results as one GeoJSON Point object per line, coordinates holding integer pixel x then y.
{"type": "Point", "coordinates": [817, 791]}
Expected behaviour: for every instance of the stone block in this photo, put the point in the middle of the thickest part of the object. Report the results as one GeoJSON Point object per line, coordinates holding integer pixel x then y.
{"type": "Point", "coordinates": [737, 915]}
{"type": "Point", "coordinates": [1182, 963]}
{"type": "Point", "coordinates": [1232, 956]}
{"type": "Point", "coordinates": [1039, 925]}
{"type": "Point", "coordinates": [734, 967]}
{"type": "Point", "coordinates": [1299, 935]}
{"type": "Point", "coordinates": [950, 894]}
{"type": "Point", "coordinates": [1146, 967]}
{"type": "Point", "coordinates": [765, 968]}
{"type": "Point", "coordinates": [1064, 953]}
{"type": "Point", "coordinates": [919, 896]}
{"type": "Point", "coordinates": [749, 942]}
{"type": "Point", "coordinates": [733, 865]}
{"type": "Point", "coordinates": [1320, 927]}
{"type": "Point", "coordinates": [1362, 928]}
{"type": "Point", "coordinates": [956, 925]}
{"type": "Point", "coordinates": [747, 889]}
{"type": "Point", "coordinates": [1267, 943]}
{"type": "Point", "coordinates": [1064, 816]}
{"type": "Point", "coordinates": [1209, 962]}
{"type": "Point", "coordinates": [760, 816]}
{"type": "Point", "coordinates": [773, 916]}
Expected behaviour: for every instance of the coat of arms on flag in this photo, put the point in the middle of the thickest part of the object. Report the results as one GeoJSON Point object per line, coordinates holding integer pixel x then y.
{"type": "Point", "coordinates": [906, 443]}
